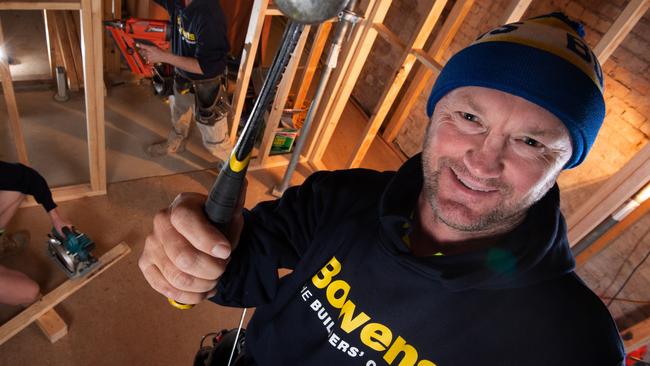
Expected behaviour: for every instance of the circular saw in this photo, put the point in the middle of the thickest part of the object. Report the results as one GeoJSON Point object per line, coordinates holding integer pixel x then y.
{"type": "Point", "coordinates": [71, 251]}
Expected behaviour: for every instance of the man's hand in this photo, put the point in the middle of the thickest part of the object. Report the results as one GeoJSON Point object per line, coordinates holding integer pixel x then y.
{"type": "Point", "coordinates": [59, 221]}
{"type": "Point", "coordinates": [185, 255]}
{"type": "Point", "coordinates": [152, 54]}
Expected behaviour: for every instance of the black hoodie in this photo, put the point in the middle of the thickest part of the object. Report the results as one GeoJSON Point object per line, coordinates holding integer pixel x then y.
{"type": "Point", "coordinates": [357, 296]}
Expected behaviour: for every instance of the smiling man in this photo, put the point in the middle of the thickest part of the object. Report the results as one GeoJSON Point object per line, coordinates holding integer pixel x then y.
{"type": "Point", "coordinates": [459, 258]}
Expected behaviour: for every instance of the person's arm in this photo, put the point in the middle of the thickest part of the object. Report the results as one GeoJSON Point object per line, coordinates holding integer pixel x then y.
{"type": "Point", "coordinates": [153, 55]}
{"type": "Point", "coordinates": [21, 178]}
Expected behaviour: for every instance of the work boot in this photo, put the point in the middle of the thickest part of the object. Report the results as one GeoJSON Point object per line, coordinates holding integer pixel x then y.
{"type": "Point", "coordinates": [175, 143]}
{"type": "Point", "coordinates": [11, 244]}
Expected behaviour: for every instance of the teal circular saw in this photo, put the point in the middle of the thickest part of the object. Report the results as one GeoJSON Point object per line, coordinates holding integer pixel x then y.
{"type": "Point", "coordinates": [71, 251]}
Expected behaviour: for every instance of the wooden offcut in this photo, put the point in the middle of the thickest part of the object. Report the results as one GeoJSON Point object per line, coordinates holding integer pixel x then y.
{"type": "Point", "coordinates": [52, 325]}
{"type": "Point", "coordinates": [68, 288]}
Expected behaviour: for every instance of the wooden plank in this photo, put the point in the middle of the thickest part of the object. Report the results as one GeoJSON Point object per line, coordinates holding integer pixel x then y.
{"type": "Point", "coordinates": [66, 50]}
{"type": "Point", "coordinates": [66, 193]}
{"type": "Point", "coordinates": [52, 325]}
{"type": "Point", "coordinates": [352, 75]}
{"type": "Point", "coordinates": [336, 81]}
{"type": "Point", "coordinates": [75, 44]}
{"type": "Point", "coordinates": [636, 336]}
{"type": "Point", "coordinates": [94, 69]}
{"type": "Point", "coordinates": [317, 47]}
{"type": "Point", "coordinates": [387, 99]}
{"type": "Point", "coordinates": [613, 233]}
{"type": "Point", "coordinates": [442, 41]}
{"type": "Point", "coordinates": [631, 15]}
{"type": "Point", "coordinates": [611, 195]}
{"type": "Point", "coordinates": [515, 11]}
{"type": "Point", "coordinates": [12, 106]}
{"type": "Point", "coordinates": [69, 287]}
{"type": "Point", "coordinates": [40, 5]}
{"type": "Point", "coordinates": [280, 100]}
{"type": "Point", "coordinates": [253, 34]}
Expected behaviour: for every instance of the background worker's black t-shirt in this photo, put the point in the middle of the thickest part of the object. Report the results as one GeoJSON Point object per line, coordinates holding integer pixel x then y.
{"type": "Point", "coordinates": [199, 31]}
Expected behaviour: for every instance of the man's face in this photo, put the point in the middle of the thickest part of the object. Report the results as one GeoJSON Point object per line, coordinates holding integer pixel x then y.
{"type": "Point", "coordinates": [488, 156]}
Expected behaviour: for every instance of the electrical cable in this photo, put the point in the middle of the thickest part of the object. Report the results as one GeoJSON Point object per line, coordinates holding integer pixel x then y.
{"type": "Point", "coordinates": [620, 268]}
{"type": "Point", "coordinates": [633, 270]}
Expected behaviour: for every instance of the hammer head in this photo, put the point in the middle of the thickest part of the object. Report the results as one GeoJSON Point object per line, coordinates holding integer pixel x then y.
{"type": "Point", "coordinates": [311, 11]}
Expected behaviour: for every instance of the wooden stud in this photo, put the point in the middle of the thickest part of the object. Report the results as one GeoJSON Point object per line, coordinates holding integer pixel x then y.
{"type": "Point", "coordinates": [75, 44]}
{"type": "Point", "coordinates": [636, 336]}
{"type": "Point", "coordinates": [40, 5]}
{"type": "Point", "coordinates": [280, 100]}
{"type": "Point", "coordinates": [273, 11]}
{"type": "Point", "coordinates": [112, 59]}
{"type": "Point", "coordinates": [253, 34]}
{"type": "Point", "coordinates": [50, 46]}
{"type": "Point", "coordinates": [95, 96]}
{"type": "Point", "coordinates": [351, 76]}
{"type": "Point", "coordinates": [333, 87]}
{"type": "Point", "coordinates": [620, 29]}
{"type": "Point", "coordinates": [423, 75]}
{"type": "Point", "coordinates": [49, 301]}
{"type": "Point", "coordinates": [12, 107]}
{"type": "Point", "coordinates": [389, 36]}
{"type": "Point", "coordinates": [613, 233]}
{"type": "Point", "coordinates": [407, 61]}
{"type": "Point", "coordinates": [515, 11]}
{"type": "Point", "coordinates": [612, 194]}
{"type": "Point", "coordinates": [320, 39]}
{"type": "Point", "coordinates": [66, 51]}
{"type": "Point", "coordinates": [52, 36]}
{"type": "Point", "coordinates": [52, 325]}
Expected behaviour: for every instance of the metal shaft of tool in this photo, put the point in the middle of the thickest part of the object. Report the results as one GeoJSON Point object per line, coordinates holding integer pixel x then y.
{"type": "Point", "coordinates": [332, 60]}
{"type": "Point", "coordinates": [234, 347]}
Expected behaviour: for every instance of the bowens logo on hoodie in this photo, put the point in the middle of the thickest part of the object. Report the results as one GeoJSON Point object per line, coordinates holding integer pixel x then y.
{"type": "Point", "coordinates": [379, 337]}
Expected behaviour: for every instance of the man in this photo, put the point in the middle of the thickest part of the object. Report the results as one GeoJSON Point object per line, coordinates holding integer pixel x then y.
{"type": "Point", "coordinates": [17, 180]}
{"type": "Point", "coordinates": [459, 258]}
{"type": "Point", "coordinates": [199, 46]}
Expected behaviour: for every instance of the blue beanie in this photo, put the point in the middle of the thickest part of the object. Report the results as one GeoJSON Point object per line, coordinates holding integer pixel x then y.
{"type": "Point", "coordinates": [543, 60]}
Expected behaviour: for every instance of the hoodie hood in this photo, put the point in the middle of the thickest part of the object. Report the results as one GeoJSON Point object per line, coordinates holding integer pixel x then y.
{"type": "Point", "coordinates": [537, 250]}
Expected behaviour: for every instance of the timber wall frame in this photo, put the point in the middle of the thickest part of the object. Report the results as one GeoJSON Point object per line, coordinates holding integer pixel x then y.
{"type": "Point", "coordinates": [90, 12]}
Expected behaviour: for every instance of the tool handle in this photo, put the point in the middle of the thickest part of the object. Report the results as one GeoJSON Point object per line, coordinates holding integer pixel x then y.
{"type": "Point", "coordinates": [224, 195]}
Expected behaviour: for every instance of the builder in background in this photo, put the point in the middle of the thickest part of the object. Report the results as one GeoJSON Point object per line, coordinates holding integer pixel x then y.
{"type": "Point", "coordinates": [459, 258]}
{"type": "Point", "coordinates": [199, 46]}
{"type": "Point", "coordinates": [16, 181]}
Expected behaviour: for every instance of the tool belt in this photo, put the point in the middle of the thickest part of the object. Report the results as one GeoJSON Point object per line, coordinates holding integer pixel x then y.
{"type": "Point", "coordinates": [210, 98]}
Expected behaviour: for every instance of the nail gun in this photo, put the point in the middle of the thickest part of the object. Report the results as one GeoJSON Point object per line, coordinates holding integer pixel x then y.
{"type": "Point", "coordinates": [131, 32]}
{"type": "Point", "coordinates": [71, 251]}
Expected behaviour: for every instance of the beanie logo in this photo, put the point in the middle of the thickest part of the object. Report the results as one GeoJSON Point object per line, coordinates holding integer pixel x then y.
{"type": "Point", "coordinates": [560, 41]}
